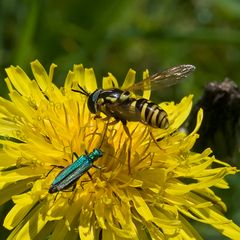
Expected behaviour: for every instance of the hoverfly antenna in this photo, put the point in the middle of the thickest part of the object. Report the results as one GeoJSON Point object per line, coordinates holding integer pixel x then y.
{"type": "Point", "coordinates": [81, 91]}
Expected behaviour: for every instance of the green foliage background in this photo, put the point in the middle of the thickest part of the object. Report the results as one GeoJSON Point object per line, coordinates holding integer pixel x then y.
{"type": "Point", "coordinates": [113, 36]}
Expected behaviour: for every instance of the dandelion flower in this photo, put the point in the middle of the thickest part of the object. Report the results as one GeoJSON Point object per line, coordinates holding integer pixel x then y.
{"type": "Point", "coordinates": [41, 127]}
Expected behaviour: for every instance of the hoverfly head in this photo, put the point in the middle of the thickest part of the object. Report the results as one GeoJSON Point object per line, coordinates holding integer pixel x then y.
{"type": "Point", "coordinates": [92, 101]}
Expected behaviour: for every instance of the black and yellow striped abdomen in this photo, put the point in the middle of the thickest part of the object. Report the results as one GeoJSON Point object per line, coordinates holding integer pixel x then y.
{"type": "Point", "coordinates": [151, 113]}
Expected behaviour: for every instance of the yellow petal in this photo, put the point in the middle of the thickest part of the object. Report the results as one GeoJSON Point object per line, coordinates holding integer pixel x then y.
{"type": "Point", "coordinates": [40, 75]}
{"type": "Point", "coordinates": [90, 80]}
{"type": "Point", "coordinates": [19, 174]}
{"type": "Point", "coordinates": [86, 229]}
{"type": "Point", "coordinates": [109, 82]}
{"type": "Point", "coordinates": [146, 93]}
{"type": "Point", "coordinates": [19, 79]}
{"type": "Point", "coordinates": [11, 189]}
{"type": "Point", "coordinates": [140, 204]}
{"type": "Point", "coordinates": [129, 80]}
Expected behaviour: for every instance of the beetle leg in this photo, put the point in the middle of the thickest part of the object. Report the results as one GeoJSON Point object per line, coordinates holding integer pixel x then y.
{"type": "Point", "coordinates": [54, 166]}
{"type": "Point", "coordinates": [75, 154]}
{"type": "Point", "coordinates": [99, 168]}
{"type": "Point", "coordinates": [90, 176]}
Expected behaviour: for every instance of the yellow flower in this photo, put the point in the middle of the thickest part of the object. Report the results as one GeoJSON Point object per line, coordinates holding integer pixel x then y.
{"type": "Point", "coordinates": [41, 127]}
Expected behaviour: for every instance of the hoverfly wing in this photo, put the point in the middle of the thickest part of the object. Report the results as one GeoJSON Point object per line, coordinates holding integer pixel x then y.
{"type": "Point", "coordinates": [127, 112]}
{"type": "Point", "coordinates": [164, 79]}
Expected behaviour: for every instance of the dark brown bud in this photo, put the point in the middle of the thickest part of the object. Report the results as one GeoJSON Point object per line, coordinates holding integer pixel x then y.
{"type": "Point", "coordinates": [220, 128]}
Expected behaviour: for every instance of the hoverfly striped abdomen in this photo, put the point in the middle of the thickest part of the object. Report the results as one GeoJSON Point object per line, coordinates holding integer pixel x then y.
{"type": "Point", "coordinates": [151, 113]}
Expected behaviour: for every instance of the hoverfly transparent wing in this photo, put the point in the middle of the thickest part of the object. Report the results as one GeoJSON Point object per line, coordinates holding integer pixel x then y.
{"type": "Point", "coordinates": [164, 79]}
{"type": "Point", "coordinates": [128, 112]}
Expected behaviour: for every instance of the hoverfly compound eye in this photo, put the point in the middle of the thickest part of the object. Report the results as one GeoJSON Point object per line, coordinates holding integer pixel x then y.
{"type": "Point", "coordinates": [92, 101]}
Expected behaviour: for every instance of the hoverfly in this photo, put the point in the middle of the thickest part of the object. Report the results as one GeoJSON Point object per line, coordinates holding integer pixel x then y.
{"type": "Point", "coordinates": [119, 104]}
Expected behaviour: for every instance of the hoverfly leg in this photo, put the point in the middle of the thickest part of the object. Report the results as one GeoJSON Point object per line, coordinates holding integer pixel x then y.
{"type": "Point", "coordinates": [113, 122]}
{"type": "Point", "coordinates": [124, 122]}
{"type": "Point", "coordinates": [127, 132]}
{"type": "Point", "coordinates": [129, 158]}
{"type": "Point", "coordinates": [105, 119]}
{"type": "Point", "coordinates": [154, 140]}
{"type": "Point", "coordinates": [97, 115]}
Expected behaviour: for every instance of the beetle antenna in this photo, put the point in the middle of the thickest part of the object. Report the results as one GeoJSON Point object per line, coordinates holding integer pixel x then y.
{"type": "Point", "coordinates": [81, 91]}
